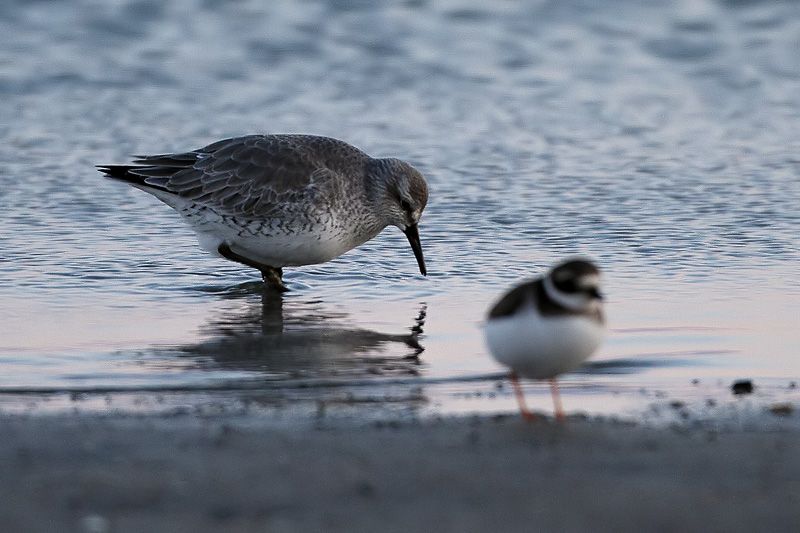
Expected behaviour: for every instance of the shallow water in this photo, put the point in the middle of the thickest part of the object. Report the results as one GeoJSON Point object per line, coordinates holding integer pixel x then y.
{"type": "Point", "coordinates": [659, 138]}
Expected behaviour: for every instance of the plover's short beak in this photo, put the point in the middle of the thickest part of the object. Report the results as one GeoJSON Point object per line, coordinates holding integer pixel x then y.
{"type": "Point", "coordinates": [413, 238]}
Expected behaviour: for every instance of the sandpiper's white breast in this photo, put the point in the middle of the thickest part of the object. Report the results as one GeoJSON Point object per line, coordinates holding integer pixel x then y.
{"type": "Point", "coordinates": [280, 250]}
{"type": "Point", "coordinates": [542, 347]}
{"type": "Point", "coordinates": [277, 245]}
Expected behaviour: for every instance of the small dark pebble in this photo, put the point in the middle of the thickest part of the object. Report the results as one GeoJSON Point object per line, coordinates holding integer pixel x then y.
{"type": "Point", "coordinates": [742, 386]}
{"type": "Point", "coordinates": [677, 404]}
{"type": "Point", "coordinates": [365, 489]}
{"type": "Point", "coordinates": [781, 409]}
{"type": "Point", "coordinates": [792, 384]}
{"type": "Point", "coordinates": [223, 513]}
{"type": "Point", "coordinates": [650, 445]}
{"type": "Point", "coordinates": [695, 381]}
{"type": "Point", "coordinates": [24, 456]}
{"type": "Point", "coordinates": [74, 502]}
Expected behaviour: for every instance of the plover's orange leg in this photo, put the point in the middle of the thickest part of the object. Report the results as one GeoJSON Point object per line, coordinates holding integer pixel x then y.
{"type": "Point", "coordinates": [556, 400]}
{"type": "Point", "coordinates": [523, 409]}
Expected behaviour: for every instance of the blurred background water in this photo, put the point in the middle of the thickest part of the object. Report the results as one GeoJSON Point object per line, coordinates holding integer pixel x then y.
{"type": "Point", "coordinates": [660, 138]}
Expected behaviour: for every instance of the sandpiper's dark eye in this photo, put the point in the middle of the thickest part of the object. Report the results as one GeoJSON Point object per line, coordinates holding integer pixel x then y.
{"type": "Point", "coordinates": [405, 206]}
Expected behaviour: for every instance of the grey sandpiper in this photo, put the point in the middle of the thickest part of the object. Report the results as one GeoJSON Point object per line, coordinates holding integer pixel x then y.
{"type": "Point", "coordinates": [272, 201]}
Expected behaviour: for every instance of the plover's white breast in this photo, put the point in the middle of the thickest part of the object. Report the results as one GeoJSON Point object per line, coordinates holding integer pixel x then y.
{"type": "Point", "coordinates": [542, 347]}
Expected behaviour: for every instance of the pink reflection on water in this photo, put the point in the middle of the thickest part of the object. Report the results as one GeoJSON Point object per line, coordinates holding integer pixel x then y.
{"type": "Point", "coordinates": [689, 342]}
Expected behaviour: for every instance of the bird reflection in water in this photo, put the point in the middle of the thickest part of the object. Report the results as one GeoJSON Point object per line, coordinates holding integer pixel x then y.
{"type": "Point", "coordinates": [281, 337]}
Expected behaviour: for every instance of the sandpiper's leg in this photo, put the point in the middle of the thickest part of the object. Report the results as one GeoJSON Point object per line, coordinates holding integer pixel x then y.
{"type": "Point", "coordinates": [523, 409]}
{"type": "Point", "coordinates": [556, 400]}
{"type": "Point", "coordinates": [273, 277]}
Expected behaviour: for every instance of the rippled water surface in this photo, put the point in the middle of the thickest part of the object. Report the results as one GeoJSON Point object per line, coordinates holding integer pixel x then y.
{"type": "Point", "coordinates": [660, 138]}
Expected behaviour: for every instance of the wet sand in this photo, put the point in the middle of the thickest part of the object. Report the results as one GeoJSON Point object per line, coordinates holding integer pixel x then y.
{"type": "Point", "coordinates": [244, 473]}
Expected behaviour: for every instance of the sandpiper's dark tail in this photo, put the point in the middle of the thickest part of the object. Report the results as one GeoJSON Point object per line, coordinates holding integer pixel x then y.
{"type": "Point", "coordinates": [153, 171]}
{"type": "Point", "coordinates": [121, 172]}
{"type": "Point", "coordinates": [145, 177]}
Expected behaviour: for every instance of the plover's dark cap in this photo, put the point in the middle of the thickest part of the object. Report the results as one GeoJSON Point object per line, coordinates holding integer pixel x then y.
{"type": "Point", "coordinates": [565, 277]}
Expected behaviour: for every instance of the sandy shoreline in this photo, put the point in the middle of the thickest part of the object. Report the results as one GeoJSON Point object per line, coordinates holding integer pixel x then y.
{"type": "Point", "coordinates": [184, 473]}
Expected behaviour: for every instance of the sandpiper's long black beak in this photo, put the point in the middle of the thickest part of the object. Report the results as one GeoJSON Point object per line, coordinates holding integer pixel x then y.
{"type": "Point", "coordinates": [413, 238]}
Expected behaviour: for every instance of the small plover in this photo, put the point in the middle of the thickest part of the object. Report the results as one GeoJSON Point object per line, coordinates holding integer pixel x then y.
{"type": "Point", "coordinates": [548, 326]}
{"type": "Point", "coordinates": [271, 201]}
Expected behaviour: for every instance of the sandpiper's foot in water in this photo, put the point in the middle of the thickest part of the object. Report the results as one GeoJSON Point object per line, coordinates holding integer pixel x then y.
{"type": "Point", "coordinates": [273, 279]}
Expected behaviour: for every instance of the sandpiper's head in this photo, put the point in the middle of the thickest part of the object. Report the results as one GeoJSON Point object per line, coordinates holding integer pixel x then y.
{"type": "Point", "coordinates": [402, 198]}
{"type": "Point", "coordinates": [575, 284]}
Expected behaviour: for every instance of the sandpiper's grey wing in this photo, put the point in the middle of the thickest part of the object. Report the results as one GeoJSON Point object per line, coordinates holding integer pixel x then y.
{"type": "Point", "coordinates": [246, 176]}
